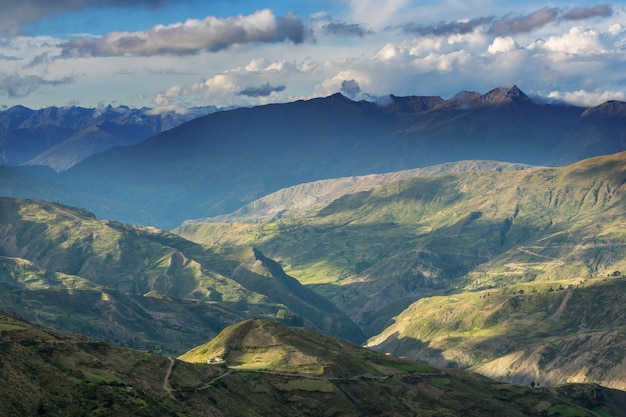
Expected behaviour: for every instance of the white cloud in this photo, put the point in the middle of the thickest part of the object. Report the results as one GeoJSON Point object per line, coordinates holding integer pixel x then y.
{"type": "Point", "coordinates": [338, 81]}
{"type": "Point", "coordinates": [259, 82]}
{"type": "Point", "coordinates": [502, 44]}
{"type": "Point", "coordinates": [388, 52]}
{"type": "Point", "coordinates": [219, 85]}
{"type": "Point", "coordinates": [615, 29]}
{"type": "Point", "coordinates": [192, 36]}
{"type": "Point", "coordinates": [579, 40]}
{"type": "Point", "coordinates": [587, 98]}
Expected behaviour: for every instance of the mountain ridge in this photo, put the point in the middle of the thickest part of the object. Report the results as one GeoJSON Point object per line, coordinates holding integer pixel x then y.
{"type": "Point", "coordinates": [234, 157]}
{"type": "Point", "coordinates": [293, 201]}
{"type": "Point", "coordinates": [47, 247]}
{"type": "Point", "coordinates": [59, 137]}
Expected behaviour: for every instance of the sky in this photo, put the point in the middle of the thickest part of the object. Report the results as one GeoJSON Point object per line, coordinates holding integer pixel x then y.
{"type": "Point", "coordinates": [175, 54]}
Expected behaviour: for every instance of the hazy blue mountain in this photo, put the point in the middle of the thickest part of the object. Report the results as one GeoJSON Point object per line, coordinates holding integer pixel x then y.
{"type": "Point", "coordinates": [59, 137]}
{"type": "Point", "coordinates": [217, 163]}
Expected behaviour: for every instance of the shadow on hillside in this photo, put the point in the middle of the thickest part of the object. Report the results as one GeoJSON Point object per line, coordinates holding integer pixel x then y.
{"type": "Point", "coordinates": [540, 339]}
{"type": "Point", "coordinates": [415, 350]}
{"type": "Point", "coordinates": [383, 266]}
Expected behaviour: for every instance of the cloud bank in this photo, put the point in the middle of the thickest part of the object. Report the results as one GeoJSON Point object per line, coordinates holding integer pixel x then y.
{"type": "Point", "coordinates": [574, 54]}
{"type": "Point", "coordinates": [509, 24]}
{"type": "Point", "coordinates": [192, 37]}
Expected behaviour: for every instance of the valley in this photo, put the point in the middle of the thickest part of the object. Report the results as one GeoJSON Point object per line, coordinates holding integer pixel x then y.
{"type": "Point", "coordinates": [312, 208]}
{"type": "Point", "coordinates": [462, 270]}
{"type": "Point", "coordinates": [496, 282]}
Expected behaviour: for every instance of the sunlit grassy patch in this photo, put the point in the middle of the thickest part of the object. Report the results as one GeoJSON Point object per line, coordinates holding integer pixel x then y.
{"type": "Point", "coordinates": [7, 327]}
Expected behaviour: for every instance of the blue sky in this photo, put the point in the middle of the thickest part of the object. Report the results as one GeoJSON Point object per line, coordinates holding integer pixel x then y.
{"type": "Point", "coordinates": [170, 55]}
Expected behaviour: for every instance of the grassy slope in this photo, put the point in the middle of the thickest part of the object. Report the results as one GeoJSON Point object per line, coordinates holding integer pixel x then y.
{"type": "Point", "coordinates": [373, 382]}
{"type": "Point", "coordinates": [162, 324]}
{"type": "Point", "coordinates": [304, 199]}
{"type": "Point", "coordinates": [371, 250]}
{"type": "Point", "coordinates": [524, 333]}
{"type": "Point", "coordinates": [461, 236]}
{"type": "Point", "coordinates": [46, 246]}
{"type": "Point", "coordinates": [59, 374]}
{"type": "Point", "coordinates": [266, 345]}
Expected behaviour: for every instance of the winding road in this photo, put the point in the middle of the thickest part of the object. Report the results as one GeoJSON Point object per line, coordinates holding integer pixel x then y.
{"type": "Point", "coordinates": [166, 381]}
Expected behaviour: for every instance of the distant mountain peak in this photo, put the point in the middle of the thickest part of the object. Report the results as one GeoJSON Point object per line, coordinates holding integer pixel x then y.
{"type": "Point", "coordinates": [515, 92]}
{"type": "Point", "coordinates": [608, 109]}
{"type": "Point", "coordinates": [504, 95]}
{"type": "Point", "coordinates": [412, 104]}
{"type": "Point", "coordinates": [465, 96]}
{"type": "Point", "coordinates": [497, 96]}
{"type": "Point", "coordinates": [19, 108]}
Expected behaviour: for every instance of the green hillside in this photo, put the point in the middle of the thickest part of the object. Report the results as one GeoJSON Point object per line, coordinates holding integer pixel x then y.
{"type": "Point", "coordinates": [460, 237]}
{"type": "Point", "coordinates": [528, 333]}
{"type": "Point", "coordinates": [374, 252]}
{"type": "Point", "coordinates": [304, 199]}
{"type": "Point", "coordinates": [322, 372]}
{"type": "Point", "coordinates": [141, 286]}
{"type": "Point", "coordinates": [60, 374]}
{"type": "Point", "coordinates": [271, 346]}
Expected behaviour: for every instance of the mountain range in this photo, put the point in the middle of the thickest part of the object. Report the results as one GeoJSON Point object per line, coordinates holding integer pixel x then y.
{"type": "Point", "coordinates": [60, 137]}
{"type": "Point", "coordinates": [495, 263]}
{"type": "Point", "coordinates": [215, 164]}
{"type": "Point", "coordinates": [481, 233]}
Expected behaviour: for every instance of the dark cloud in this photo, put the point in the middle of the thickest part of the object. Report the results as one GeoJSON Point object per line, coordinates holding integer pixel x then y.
{"type": "Point", "coordinates": [450, 28]}
{"type": "Point", "coordinates": [290, 27]}
{"type": "Point", "coordinates": [523, 24]}
{"type": "Point", "coordinates": [579, 13]}
{"type": "Point", "coordinates": [350, 88]}
{"type": "Point", "coordinates": [346, 29]}
{"type": "Point", "coordinates": [509, 24]}
{"type": "Point", "coordinates": [15, 86]}
{"type": "Point", "coordinates": [192, 36]}
{"type": "Point", "coordinates": [39, 60]}
{"type": "Point", "coordinates": [16, 13]}
{"type": "Point", "coordinates": [261, 91]}
{"type": "Point", "coordinates": [9, 58]}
